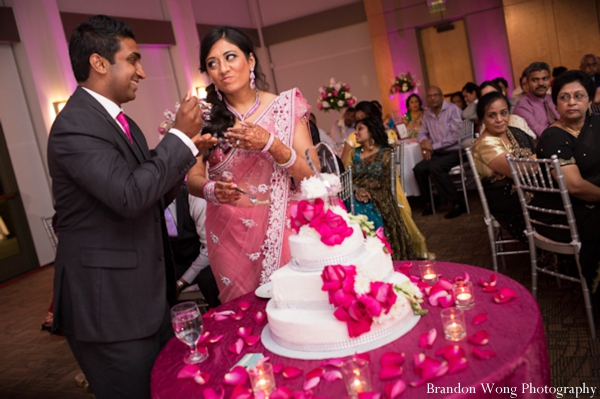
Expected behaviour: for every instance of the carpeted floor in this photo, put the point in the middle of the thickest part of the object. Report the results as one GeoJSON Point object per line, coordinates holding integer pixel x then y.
{"type": "Point", "coordinates": [34, 364]}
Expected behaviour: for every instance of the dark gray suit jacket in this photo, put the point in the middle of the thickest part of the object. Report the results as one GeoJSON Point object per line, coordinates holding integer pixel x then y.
{"type": "Point", "coordinates": [109, 197]}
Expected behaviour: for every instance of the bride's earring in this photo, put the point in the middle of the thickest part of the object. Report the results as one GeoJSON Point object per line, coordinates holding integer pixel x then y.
{"type": "Point", "coordinates": [252, 77]}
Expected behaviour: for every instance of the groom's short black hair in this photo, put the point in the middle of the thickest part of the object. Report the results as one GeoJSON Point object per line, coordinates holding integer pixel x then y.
{"type": "Point", "coordinates": [100, 35]}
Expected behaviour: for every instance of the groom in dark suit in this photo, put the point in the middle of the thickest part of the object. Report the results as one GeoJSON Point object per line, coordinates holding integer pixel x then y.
{"type": "Point", "coordinates": [110, 192]}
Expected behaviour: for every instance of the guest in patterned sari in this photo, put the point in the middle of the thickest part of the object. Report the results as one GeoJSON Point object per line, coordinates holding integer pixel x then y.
{"type": "Point", "coordinates": [371, 178]}
{"type": "Point", "coordinates": [489, 153]}
{"type": "Point", "coordinates": [261, 147]}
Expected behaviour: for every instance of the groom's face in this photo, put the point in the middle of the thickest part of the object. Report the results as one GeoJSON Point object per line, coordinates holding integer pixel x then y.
{"type": "Point", "coordinates": [125, 73]}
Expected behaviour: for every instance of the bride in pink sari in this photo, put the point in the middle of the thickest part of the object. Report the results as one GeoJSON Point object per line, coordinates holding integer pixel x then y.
{"type": "Point", "coordinates": [262, 142]}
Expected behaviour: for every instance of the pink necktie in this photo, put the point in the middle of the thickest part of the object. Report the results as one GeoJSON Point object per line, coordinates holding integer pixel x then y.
{"type": "Point", "coordinates": [170, 221]}
{"type": "Point", "coordinates": [123, 121]}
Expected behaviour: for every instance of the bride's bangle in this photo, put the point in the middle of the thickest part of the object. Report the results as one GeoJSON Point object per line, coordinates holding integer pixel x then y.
{"type": "Point", "coordinates": [269, 143]}
{"type": "Point", "coordinates": [290, 161]}
{"type": "Point", "coordinates": [208, 190]}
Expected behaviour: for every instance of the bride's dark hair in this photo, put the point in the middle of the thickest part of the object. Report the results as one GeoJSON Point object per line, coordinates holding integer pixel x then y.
{"type": "Point", "coordinates": [221, 118]}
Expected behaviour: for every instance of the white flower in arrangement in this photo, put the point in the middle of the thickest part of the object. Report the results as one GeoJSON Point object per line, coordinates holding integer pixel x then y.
{"type": "Point", "coordinates": [309, 232]}
{"type": "Point", "coordinates": [404, 87]}
{"type": "Point", "coordinates": [313, 188]}
{"type": "Point", "coordinates": [411, 289]}
{"type": "Point", "coordinates": [325, 104]}
{"type": "Point", "coordinates": [340, 103]}
{"type": "Point", "coordinates": [335, 186]}
{"type": "Point", "coordinates": [362, 284]}
{"type": "Point", "coordinates": [373, 244]}
{"type": "Point", "coordinates": [347, 95]}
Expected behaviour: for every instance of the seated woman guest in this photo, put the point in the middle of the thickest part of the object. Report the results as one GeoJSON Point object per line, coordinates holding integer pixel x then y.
{"type": "Point", "coordinates": [489, 153]}
{"type": "Point", "coordinates": [414, 115]}
{"type": "Point", "coordinates": [471, 93]}
{"type": "Point", "coordinates": [261, 147]}
{"type": "Point", "coordinates": [371, 179]}
{"type": "Point", "coordinates": [458, 100]}
{"type": "Point", "coordinates": [575, 139]}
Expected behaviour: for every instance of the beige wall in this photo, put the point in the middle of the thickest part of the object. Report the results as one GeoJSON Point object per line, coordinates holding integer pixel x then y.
{"type": "Point", "coordinates": [555, 31]}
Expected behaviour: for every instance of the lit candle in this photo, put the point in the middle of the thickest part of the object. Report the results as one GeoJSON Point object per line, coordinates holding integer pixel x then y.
{"type": "Point", "coordinates": [453, 320]}
{"type": "Point", "coordinates": [464, 294]}
{"type": "Point", "coordinates": [428, 271]}
{"type": "Point", "coordinates": [357, 376]}
{"type": "Point", "coordinates": [262, 379]}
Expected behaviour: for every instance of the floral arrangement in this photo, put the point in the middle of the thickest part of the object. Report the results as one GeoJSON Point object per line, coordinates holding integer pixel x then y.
{"type": "Point", "coordinates": [335, 97]}
{"type": "Point", "coordinates": [368, 229]}
{"type": "Point", "coordinates": [403, 83]}
{"type": "Point", "coordinates": [169, 121]}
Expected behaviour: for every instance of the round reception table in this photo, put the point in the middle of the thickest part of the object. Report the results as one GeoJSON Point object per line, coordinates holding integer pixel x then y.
{"type": "Point", "coordinates": [515, 330]}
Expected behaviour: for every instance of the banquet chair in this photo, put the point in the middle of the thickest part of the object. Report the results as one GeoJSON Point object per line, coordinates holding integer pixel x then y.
{"type": "Point", "coordinates": [495, 232]}
{"type": "Point", "coordinates": [393, 174]}
{"type": "Point", "coordinates": [400, 162]}
{"type": "Point", "coordinates": [534, 175]}
{"type": "Point", "coordinates": [465, 133]}
{"type": "Point", "coordinates": [347, 193]}
{"type": "Point", "coordinates": [47, 221]}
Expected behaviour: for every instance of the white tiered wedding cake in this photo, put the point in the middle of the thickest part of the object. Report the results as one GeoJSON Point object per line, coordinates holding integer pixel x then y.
{"type": "Point", "coordinates": [339, 294]}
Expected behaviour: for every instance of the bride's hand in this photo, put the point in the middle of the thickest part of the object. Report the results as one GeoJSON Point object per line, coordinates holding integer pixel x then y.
{"type": "Point", "coordinates": [250, 137]}
{"type": "Point", "coordinates": [225, 191]}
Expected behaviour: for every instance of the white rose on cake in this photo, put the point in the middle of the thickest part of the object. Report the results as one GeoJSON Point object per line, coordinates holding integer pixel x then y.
{"type": "Point", "coordinates": [313, 188]}
{"type": "Point", "coordinates": [335, 186]}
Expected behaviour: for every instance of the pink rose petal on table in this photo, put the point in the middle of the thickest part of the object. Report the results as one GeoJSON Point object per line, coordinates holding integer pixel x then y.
{"type": "Point", "coordinates": [311, 383]}
{"type": "Point", "coordinates": [369, 395]}
{"type": "Point", "coordinates": [404, 268]}
{"type": "Point", "coordinates": [504, 295]}
{"type": "Point", "coordinates": [281, 393]}
{"type": "Point", "coordinates": [427, 339]}
{"type": "Point", "coordinates": [262, 360]}
{"type": "Point", "coordinates": [202, 349]}
{"type": "Point", "coordinates": [209, 314]}
{"type": "Point", "coordinates": [220, 317]}
{"type": "Point", "coordinates": [418, 359]}
{"type": "Point", "coordinates": [423, 286]}
{"type": "Point", "coordinates": [188, 371]}
{"type": "Point", "coordinates": [395, 389]}
{"type": "Point", "coordinates": [237, 316]}
{"type": "Point", "coordinates": [456, 364]}
{"type": "Point", "coordinates": [332, 375]}
{"type": "Point", "coordinates": [390, 371]}
{"type": "Point", "coordinates": [237, 376]}
{"type": "Point", "coordinates": [444, 284]}
{"type": "Point", "coordinates": [239, 392]}
{"type": "Point", "coordinates": [483, 353]}
{"type": "Point", "coordinates": [216, 339]}
{"type": "Point", "coordinates": [490, 289]}
{"type": "Point", "coordinates": [244, 305]}
{"type": "Point", "coordinates": [318, 372]}
{"type": "Point", "coordinates": [258, 316]}
{"type": "Point", "coordinates": [465, 278]}
{"type": "Point", "coordinates": [333, 362]}
{"type": "Point", "coordinates": [491, 283]}
{"type": "Point", "coordinates": [392, 358]}
{"type": "Point", "coordinates": [480, 338]}
{"type": "Point", "coordinates": [363, 356]}
{"type": "Point", "coordinates": [203, 337]}
{"type": "Point", "coordinates": [440, 297]}
{"type": "Point", "coordinates": [277, 368]}
{"type": "Point", "coordinates": [210, 393]}
{"type": "Point", "coordinates": [480, 318]}
{"type": "Point", "coordinates": [244, 332]}
{"type": "Point", "coordinates": [237, 347]}
{"type": "Point", "coordinates": [253, 339]}
{"type": "Point", "coordinates": [201, 378]}
{"type": "Point", "coordinates": [414, 279]}
{"type": "Point", "coordinates": [450, 351]}
{"type": "Point", "coordinates": [291, 372]}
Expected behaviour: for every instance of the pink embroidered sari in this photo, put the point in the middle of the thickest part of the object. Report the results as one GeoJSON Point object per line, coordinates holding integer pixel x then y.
{"type": "Point", "coordinates": [246, 242]}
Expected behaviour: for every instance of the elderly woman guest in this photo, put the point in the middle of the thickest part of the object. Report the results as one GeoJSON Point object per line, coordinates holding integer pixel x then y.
{"type": "Point", "coordinates": [575, 139]}
{"type": "Point", "coordinates": [371, 176]}
{"type": "Point", "coordinates": [262, 142]}
{"type": "Point", "coordinates": [414, 114]}
{"type": "Point", "coordinates": [489, 153]}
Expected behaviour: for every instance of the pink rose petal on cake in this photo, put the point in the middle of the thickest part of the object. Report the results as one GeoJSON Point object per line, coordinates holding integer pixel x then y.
{"type": "Point", "coordinates": [244, 332]}
{"type": "Point", "coordinates": [450, 352]}
{"type": "Point", "coordinates": [490, 289]}
{"type": "Point", "coordinates": [456, 364]}
{"type": "Point", "coordinates": [339, 362]}
{"type": "Point", "coordinates": [311, 383]}
{"type": "Point", "coordinates": [392, 358]}
{"type": "Point", "coordinates": [479, 338]}
{"type": "Point", "coordinates": [258, 316]}
{"type": "Point", "coordinates": [201, 378]}
{"type": "Point", "coordinates": [332, 375]}
{"type": "Point", "coordinates": [237, 316]}
{"type": "Point", "coordinates": [210, 393]}
{"type": "Point", "coordinates": [390, 371]}
{"type": "Point", "coordinates": [504, 295]}
{"type": "Point", "coordinates": [480, 318]}
{"type": "Point", "coordinates": [216, 339]}
{"type": "Point", "coordinates": [188, 371]}
{"type": "Point", "coordinates": [237, 376]}
{"type": "Point", "coordinates": [251, 340]}
{"type": "Point", "coordinates": [483, 353]}
{"type": "Point", "coordinates": [395, 389]}
{"type": "Point", "coordinates": [237, 347]}
{"type": "Point", "coordinates": [239, 392]}
{"type": "Point", "coordinates": [281, 393]}
{"type": "Point", "coordinates": [418, 359]}
{"type": "Point", "coordinates": [291, 372]}
{"type": "Point", "coordinates": [277, 368]}
{"type": "Point", "coordinates": [244, 305]}
{"type": "Point", "coordinates": [318, 372]}
{"type": "Point", "coordinates": [427, 339]}
{"type": "Point", "coordinates": [369, 395]}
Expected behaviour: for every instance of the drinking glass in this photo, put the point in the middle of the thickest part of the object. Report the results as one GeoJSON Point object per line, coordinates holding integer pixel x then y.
{"type": "Point", "coordinates": [187, 324]}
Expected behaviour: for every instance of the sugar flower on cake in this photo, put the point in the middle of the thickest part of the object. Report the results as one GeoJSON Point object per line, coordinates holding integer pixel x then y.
{"type": "Point", "coordinates": [332, 228]}
{"type": "Point", "coordinates": [313, 188]}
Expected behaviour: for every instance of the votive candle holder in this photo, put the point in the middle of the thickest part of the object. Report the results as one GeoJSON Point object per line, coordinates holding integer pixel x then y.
{"type": "Point", "coordinates": [262, 379]}
{"type": "Point", "coordinates": [357, 376]}
{"type": "Point", "coordinates": [428, 270]}
{"type": "Point", "coordinates": [453, 321]}
{"type": "Point", "coordinates": [464, 295]}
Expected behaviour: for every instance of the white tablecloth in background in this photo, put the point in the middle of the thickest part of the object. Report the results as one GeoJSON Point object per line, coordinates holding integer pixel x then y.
{"type": "Point", "coordinates": [412, 156]}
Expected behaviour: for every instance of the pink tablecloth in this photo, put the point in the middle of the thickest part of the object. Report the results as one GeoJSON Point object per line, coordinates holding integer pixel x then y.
{"type": "Point", "coordinates": [515, 330]}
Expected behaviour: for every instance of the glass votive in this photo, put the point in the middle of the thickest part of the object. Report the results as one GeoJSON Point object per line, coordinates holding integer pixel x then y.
{"type": "Point", "coordinates": [262, 379]}
{"type": "Point", "coordinates": [428, 270]}
{"type": "Point", "coordinates": [453, 321]}
{"type": "Point", "coordinates": [464, 295]}
{"type": "Point", "coordinates": [357, 376]}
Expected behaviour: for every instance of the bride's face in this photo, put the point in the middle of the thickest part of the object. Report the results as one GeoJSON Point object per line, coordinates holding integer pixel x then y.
{"type": "Point", "coordinates": [228, 66]}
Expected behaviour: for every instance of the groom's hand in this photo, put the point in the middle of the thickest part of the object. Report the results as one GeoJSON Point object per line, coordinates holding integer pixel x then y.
{"type": "Point", "coordinates": [189, 116]}
{"type": "Point", "coordinates": [204, 142]}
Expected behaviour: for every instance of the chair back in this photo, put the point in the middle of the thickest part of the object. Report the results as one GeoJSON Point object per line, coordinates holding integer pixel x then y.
{"type": "Point", "coordinates": [347, 193]}
{"type": "Point", "coordinates": [47, 221]}
{"type": "Point", "coordinates": [400, 162]}
{"type": "Point", "coordinates": [487, 216]}
{"type": "Point", "coordinates": [465, 131]}
{"type": "Point", "coordinates": [393, 174]}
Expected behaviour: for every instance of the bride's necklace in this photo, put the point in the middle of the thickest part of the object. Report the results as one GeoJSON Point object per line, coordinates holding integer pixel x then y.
{"type": "Point", "coordinates": [570, 130]}
{"type": "Point", "coordinates": [250, 111]}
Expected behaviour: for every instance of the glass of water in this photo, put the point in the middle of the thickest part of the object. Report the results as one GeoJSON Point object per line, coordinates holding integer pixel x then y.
{"type": "Point", "coordinates": [187, 324]}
